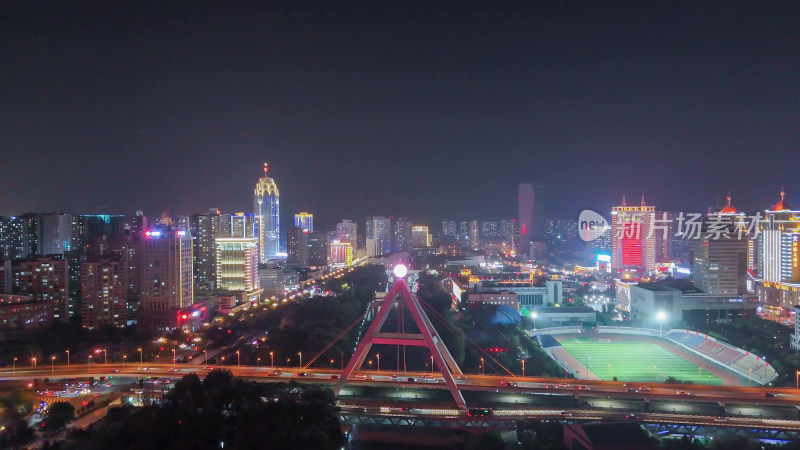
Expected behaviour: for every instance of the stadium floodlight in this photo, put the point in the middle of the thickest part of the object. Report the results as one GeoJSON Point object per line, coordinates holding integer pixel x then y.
{"type": "Point", "coordinates": [661, 315]}
{"type": "Point", "coordinates": [533, 316]}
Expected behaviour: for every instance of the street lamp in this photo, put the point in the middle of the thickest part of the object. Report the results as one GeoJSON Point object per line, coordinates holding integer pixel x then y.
{"type": "Point", "coordinates": [52, 361]}
{"type": "Point", "coordinates": [272, 360]}
{"type": "Point", "coordinates": [174, 356]}
{"type": "Point", "coordinates": [89, 364]}
{"type": "Point", "coordinates": [141, 357]}
{"type": "Point", "coordinates": [300, 354]}
{"type": "Point", "coordinates": [523, 368]}
{"type": "Point", "coordinates": [482, 369]}
{"type": "Point", "coordinates": [238, 359]}
{"type": "Point", "coordinates": [797, 380]}
{"type": "Point", "coordinates": [431, 363]}
{"type": "Point", "coordinates": [378, 355]}
{"type": "Point", "coordinates": [67, 352]}
{"type": "Point", "coordinates": [331, 363]}
{"type": "Point", "coordinates": [258, 360]}
{"type": "Point", "coordinates": [124, 357]}
{"type": "Point", "coordinates": [206, 353]}
{"type": "Point", "coordinates": [534, 315]}
{"type": "Point", "coordinates": [33, 362]}
{"type": "Point", "coordinates": [14, 367]}
{"type": "Point", "coordinates": [660, 316]}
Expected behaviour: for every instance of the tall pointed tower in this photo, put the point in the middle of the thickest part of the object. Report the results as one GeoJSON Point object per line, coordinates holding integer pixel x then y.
{"type": "Point", "coordinates": [267, 212]}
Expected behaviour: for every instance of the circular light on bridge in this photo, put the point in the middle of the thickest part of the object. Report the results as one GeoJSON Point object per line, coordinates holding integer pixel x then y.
{"type": "Point", "coordinates": [400, 271]}
{"type": "Point", "coordinates": [661, 315]}
{"type": "Point", "coordinates": [534, 315]}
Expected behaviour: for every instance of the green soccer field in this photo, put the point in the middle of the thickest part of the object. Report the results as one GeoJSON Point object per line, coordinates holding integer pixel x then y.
{"type": "Point", "coordinates": [634, 360]}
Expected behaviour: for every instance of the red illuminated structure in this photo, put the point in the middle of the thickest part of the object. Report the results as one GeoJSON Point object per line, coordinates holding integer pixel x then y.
{"type": "Point", "coordinates": [633, 237]}
{"type": "Point", "coordinates": [427, 337]}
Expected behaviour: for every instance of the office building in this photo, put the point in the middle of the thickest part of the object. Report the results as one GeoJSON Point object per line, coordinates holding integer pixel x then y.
{"type": "Point", "coordinates": [238, 225]}
{"type": "Point", "coordinates": [379, 236]}
{"type": "Point", "coordinates": [680, 300]}
{"type": "Point", "coordinates": [166, 280]}
{"type": "Point", "coordinates": [204, 229]}
{"type": "Point", "coordinates": [237, 263]}
{"type": "Point", "coordinates": [778, 245]}
{"type": "Point", "coordinates": [266, 203]}
{"type": "Point", "coordinates": [45, 278]}
{"type": "Point", "coordinates": [449, 232]}
{"type": "Point", "coordinates": [347, 231]}
{"type": "Point", "coordinates": [531, 217]}
{"type": "Point", "coordinates": [270, 279]}
{"type": "Point", "coordinates": [420, 237]}
{"type": "Point", "coordinates": [318, 248]}
{"type": "Point", "coordinates": [304, 220]}
{"type": "Point", "coordinates": [401, 234]}
{"type": "Point", "coordinates": [719, 261]}
{"type": "Point", "coordinates": [633, 237]}
{"type": "Point", "coordinates": [297, 246]}
{"type": "Point", "coordinates": [103, 294]}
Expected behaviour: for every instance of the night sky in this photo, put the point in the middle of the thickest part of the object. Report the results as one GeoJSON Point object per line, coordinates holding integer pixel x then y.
{"type": "Point", "coordinates": [399, 109]}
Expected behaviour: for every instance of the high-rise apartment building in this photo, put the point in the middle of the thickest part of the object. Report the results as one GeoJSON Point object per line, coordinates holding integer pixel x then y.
{"type": "Point", "coordinates": [266, 203]}
{"type": "Point", "coordinates": [474, 234]}
{"type": "Point", "coordinates": [45, 278]}
{"type": "Point", "coordinates": [347, 231]}
{"type": "Point", "coordinates": [304, 220]}
{"type": "Point", "coordinates": [633, 237]}
{"type": "Point", "coordinates": [449, 231]}
{"type": "Point", "coordinates": [59, 233]}
{"type": "Point", "coordinates": [401, 234]}
{"type": "Point", "coordinates": [103, 294]}
{"type": "Point", "coordinates": [166, 277]}
{"type": "Point", "coordinates": [379, 236]}
{"type": "Point", "coordinates": [18, 236]}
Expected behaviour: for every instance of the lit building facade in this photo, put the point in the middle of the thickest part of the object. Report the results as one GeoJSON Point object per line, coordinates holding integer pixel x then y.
{"type": "Point", "coordinates": [633, 237]}
{"type": "Point", "coordinates": [401, 234]}
{"type": "Point", "coordinates": [719, 262]}
{"type": "Point", "coordinates": [304, 220]}
{"type": "Point", "coordinates": [166, 278]}
{"type": "Point", "coordinates": [420, 237]}
{"type": "Point", "coordinates": [18, 236]}
{"type": "Point", "coordinates": [379, 236]}
{"type": "Point", "coordinates": [318, 250]}
{"type": "Point", "coordinates": [59, 233]}
{"type": "Point", "coordinates": [266, 203]}
{"type": "Point", "coordinates": [778, 248]}
{"type": "Point", "coordinates": [20, 313]}
{"type": "Point", "coordinates": [474, 234]}
{"type": "Point", "coordinates": [204, 229]}
{"type": "Point", "coordinates": [237, 263]}
{"type": "Point", "coordinates": [103, 294]}
{"type": "Point", "coordinates": [45, 279]}
{"type": "Point", "coordinates": [347, 231]}
{"type": "Point", "coordinates": [297, 246]}
{"type": "Point", "coordinates": [341, 253]}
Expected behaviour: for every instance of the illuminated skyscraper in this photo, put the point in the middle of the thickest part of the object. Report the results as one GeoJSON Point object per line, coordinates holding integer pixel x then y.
{"type": "Point", "coordinates": [719, 258]}
{"type": "Point", "coordinates": [166, 282]}
{"type": "Point", "coordinates": [266, 205]}
{"type": "Point", "coordinates": [633, 237]}
{"type": "Point", "coordinates": [474, 234]}
{"type": "Point", "coordinates": [420, 237]}
{"type": "Point", "coordinates": [103, 289]}
{"type": "Point", "coordinates": [346, 231]}
{"type": "Point", "coordinates": [304, 220]}
{"type": "Point", "coordinates": [379, 236]}
{"type": "Point", "coordinates": [401, 234]}
{"type": "Point", "coordinates": [778, 248]}
{"type": "Point", "coordinates": [204, 230]}
{"type": "Point", "coordinates": [527, 199]}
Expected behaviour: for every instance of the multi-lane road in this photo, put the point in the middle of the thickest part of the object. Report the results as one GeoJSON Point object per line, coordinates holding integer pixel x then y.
{"type": "Point", "coordinates": [426, 380]}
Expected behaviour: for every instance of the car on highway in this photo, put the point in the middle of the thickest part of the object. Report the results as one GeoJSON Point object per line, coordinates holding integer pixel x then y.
{"type": "Point", "coordinates": [208, 368]}
{"type": "Point", "coordinates": [395, 377]}
{"type": "Point", "coordinates": [549, 386]}
{"type": "Point", "coordinates": [368, 378]}
{"type": "Point", "coordinates": [563, 385]}
{"type": "Point", "coordinates": [302, 374]}
{"type": "Point", "coordinates": [113, 369]}
{"type": "Point", "coordinates": [461, 377]}
{"type": "Point", "coordinates": [173, 370]}
{"type": "Point", "coordinates": [584, 388]}
{"type": "Point", "coordinates": [480, 412]}
{"type": "Point", "coordinates": [682, 393]}
{"type": "Point", "coordinates": [276, 372]}
{"type": "Point", "coordinates": [632, 389]}
{"type": "Point", "coordinates": [143, 369]}
{"type": "Point", "coordinates": [768, 394]}
{"type": "Point", "coordinates": [411, 380]}
{"type": "Point", "coordinates": [440, 381]}
{"type": "Point", "coordinates": [507, 383]}
{"type": "Point", "coordinates": [644, 389]}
